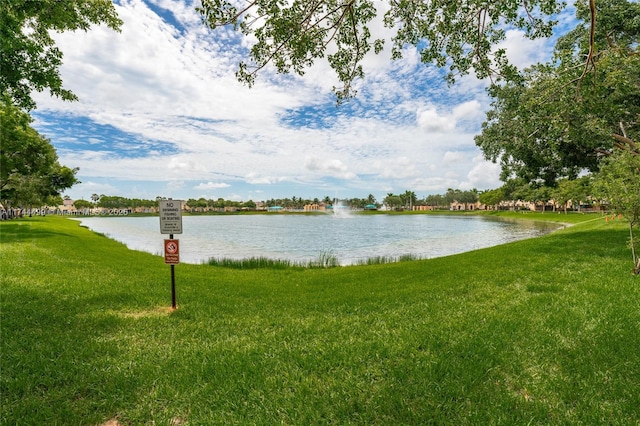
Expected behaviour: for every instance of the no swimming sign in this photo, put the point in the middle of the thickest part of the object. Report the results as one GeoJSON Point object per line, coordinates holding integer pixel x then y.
{"type": "Point", "coordinates": [170, 216]}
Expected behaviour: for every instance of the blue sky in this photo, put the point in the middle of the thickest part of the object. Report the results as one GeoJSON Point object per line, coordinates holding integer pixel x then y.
{"type": "Point", "coordinates": [161, 114]}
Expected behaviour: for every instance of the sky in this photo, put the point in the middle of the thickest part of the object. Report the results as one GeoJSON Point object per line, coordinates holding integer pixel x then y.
{"type": "Point", "coordinates": [162, 114]}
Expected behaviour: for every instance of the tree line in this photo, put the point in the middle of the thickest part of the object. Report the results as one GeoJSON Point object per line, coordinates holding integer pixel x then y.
{"type": "Point", "coordinates": [575, 192]}
{"type": "Point", "coordinates": [294, 203]}
{"type": "Point", "coordinates": [564, 193]}
{"type": "Point", "coordinates": [298, 203]}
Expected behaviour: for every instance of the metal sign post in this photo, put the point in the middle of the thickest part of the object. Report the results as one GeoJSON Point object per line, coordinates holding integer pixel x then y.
{"type": "Point", "coordinates": [171, 223]}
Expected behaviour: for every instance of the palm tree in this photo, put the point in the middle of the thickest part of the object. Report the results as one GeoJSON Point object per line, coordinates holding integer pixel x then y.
{"type": "Point", "coordinates": [371, 199]}
{"type": "Point", "coordinates": [409, 197]}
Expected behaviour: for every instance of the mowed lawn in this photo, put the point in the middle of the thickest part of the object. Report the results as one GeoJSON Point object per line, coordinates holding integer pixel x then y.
{"type": "Point", "coordinates": [543, 331]}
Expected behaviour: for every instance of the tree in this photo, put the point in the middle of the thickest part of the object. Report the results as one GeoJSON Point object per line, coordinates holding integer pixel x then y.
{"type": "Point", "coordinates": [29, 167]}
{"type": "Point", "coordinates": [435, 200]}
{"type": "Point", "coordinates": [118, 202]}
{"type": "Point", "coordinates": [95, 198]}
{"type": "Point", "coordinates": [192, 203]}
{"type": "Point", "coordinates": [574, 191]}
{"type": "Point", "coordinates": [492, 197]}
{"type": "Point", "coordinates": [460, 35]}
{"type": "Point", "coordinates": [567, 115]}
{"type": "Point", "coordinates": [581, 191]}
{"type": "Point", "coordinates": [468, 197]}
{"type": "Point", "coordinates": [408, 199]}
{"type": "Point", "coordinates": [82, 204]}
{"type": "Point", "coordinates": [562, 194]}
{"type": "Point", "coordinates": [619, 184]}
{"type": "Point", "coordinates": [451, 196]}
{"type": "Point", "coordinates": [29, 58]}
{"type": "Point", "coordinates": [392, 201]}
{"type": "Point", "coordinates": [541, 194]}
{"type": "Point", "coordinates": [200, 203]}
{"type": "Point", "coordinates": [114, 202]}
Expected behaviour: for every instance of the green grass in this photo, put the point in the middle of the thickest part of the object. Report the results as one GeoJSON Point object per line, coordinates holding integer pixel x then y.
{"type": "Point", "coordinates": [541, 331]}
{"type": "Point", "coordinates": [381, 260]}
{"type": "Point", "coordinates": [324, 260]}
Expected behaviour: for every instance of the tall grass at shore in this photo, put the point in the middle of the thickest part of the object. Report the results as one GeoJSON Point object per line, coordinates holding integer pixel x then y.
{"type": "Point", "coordinates": [324, 260]}
{"type": "Point", "coordinates": [541, 331]}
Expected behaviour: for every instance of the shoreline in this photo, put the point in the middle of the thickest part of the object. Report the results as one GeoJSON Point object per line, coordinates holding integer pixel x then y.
{"type": "Point", "coordinates": [433, 246]}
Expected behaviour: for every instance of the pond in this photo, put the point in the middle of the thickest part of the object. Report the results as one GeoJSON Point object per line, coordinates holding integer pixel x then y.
{"type": "Point", "coordinates": [351, 238]}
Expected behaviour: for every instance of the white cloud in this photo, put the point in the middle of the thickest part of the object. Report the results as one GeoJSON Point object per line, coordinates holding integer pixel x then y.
{"type": "Point", "coordinates": [484, 175]}
{"type": "Point", "coordinates": [468, 110]}
{"type": "Point", "coordinates": [90, 187]}
{"type": "Point", "coordinates": [329, 167]}
{"type": "Point", "coordinates": [175, 185]}
{"type": "Point", "coordinates": [255, 179]}
{"type": "Point", "coordinates": [432, 122]}
{"type": "Point", "coordinates": [524, 52]}
{"type": "Point", "coordinates": [454, 157]}
{"type": "Point", "coordinates": [177, 120]}
{"type": "Point", "coordinates": [184, 164]}
{"type": "Point", "coordinates": [211, 185]}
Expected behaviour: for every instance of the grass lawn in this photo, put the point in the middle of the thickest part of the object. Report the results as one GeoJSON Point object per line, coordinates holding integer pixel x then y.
{"type": "Point", "coordinates": [541, 331]}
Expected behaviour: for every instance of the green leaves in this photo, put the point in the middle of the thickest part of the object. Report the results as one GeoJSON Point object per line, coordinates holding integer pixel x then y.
{"type": "Point", "coordinates": [567, 115]}
{"type": "Point", "coordinates": [618, 183]}
{"type": "Point", "coordinates": [29, 168]}
{"type": "Point", "coordinates": [460, 35]}
{"type": "Point", "coordinates": [292, 38]}
{"type": "Point", "coordinates": [29, 59]}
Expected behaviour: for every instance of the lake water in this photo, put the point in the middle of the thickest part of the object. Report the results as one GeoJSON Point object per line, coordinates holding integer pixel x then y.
{"type": "Point", "coordinates": [302, 238]}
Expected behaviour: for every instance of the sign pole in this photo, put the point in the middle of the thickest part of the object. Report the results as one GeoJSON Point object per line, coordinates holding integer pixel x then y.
{"type": "Point", "coordinates": [173, 282]}
{"type": "Point", "coordinates": [170, 212]}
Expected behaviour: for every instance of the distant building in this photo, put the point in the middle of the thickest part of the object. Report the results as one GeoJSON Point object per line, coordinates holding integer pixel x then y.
{"type": "Point", "coordinates": [322, 207]}
{"type": "Point", "coordinates": [67, 207]}
{"type": "Point", "coordinates": [467, 206]}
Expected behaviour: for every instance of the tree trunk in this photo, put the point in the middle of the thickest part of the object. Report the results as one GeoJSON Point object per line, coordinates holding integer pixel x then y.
{"type": "Point", "coordinates": [636, 259]}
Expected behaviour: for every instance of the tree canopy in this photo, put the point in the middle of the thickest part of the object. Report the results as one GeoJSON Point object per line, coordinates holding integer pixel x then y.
{"type": "Point", "coordinates": [29, 169]}
{"type": "Point", "coordinates": [619, 183]}
{"type": "Point", "coordinates": [459, 35]}
{"type": "Point", "coordinates": [565, 116]}
{"type": "Point", "coordinates": [29, 58]}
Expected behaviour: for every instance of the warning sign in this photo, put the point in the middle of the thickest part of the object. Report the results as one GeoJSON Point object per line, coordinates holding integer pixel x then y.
{"type": "Point", "coordinates": [171, 252]}
{"type": "Point", "coordinates": [170, 216]}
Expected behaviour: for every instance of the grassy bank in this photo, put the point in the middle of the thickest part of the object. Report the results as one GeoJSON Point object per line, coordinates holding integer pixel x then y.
{"type": "Point", "coordinates": [542, 331]}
